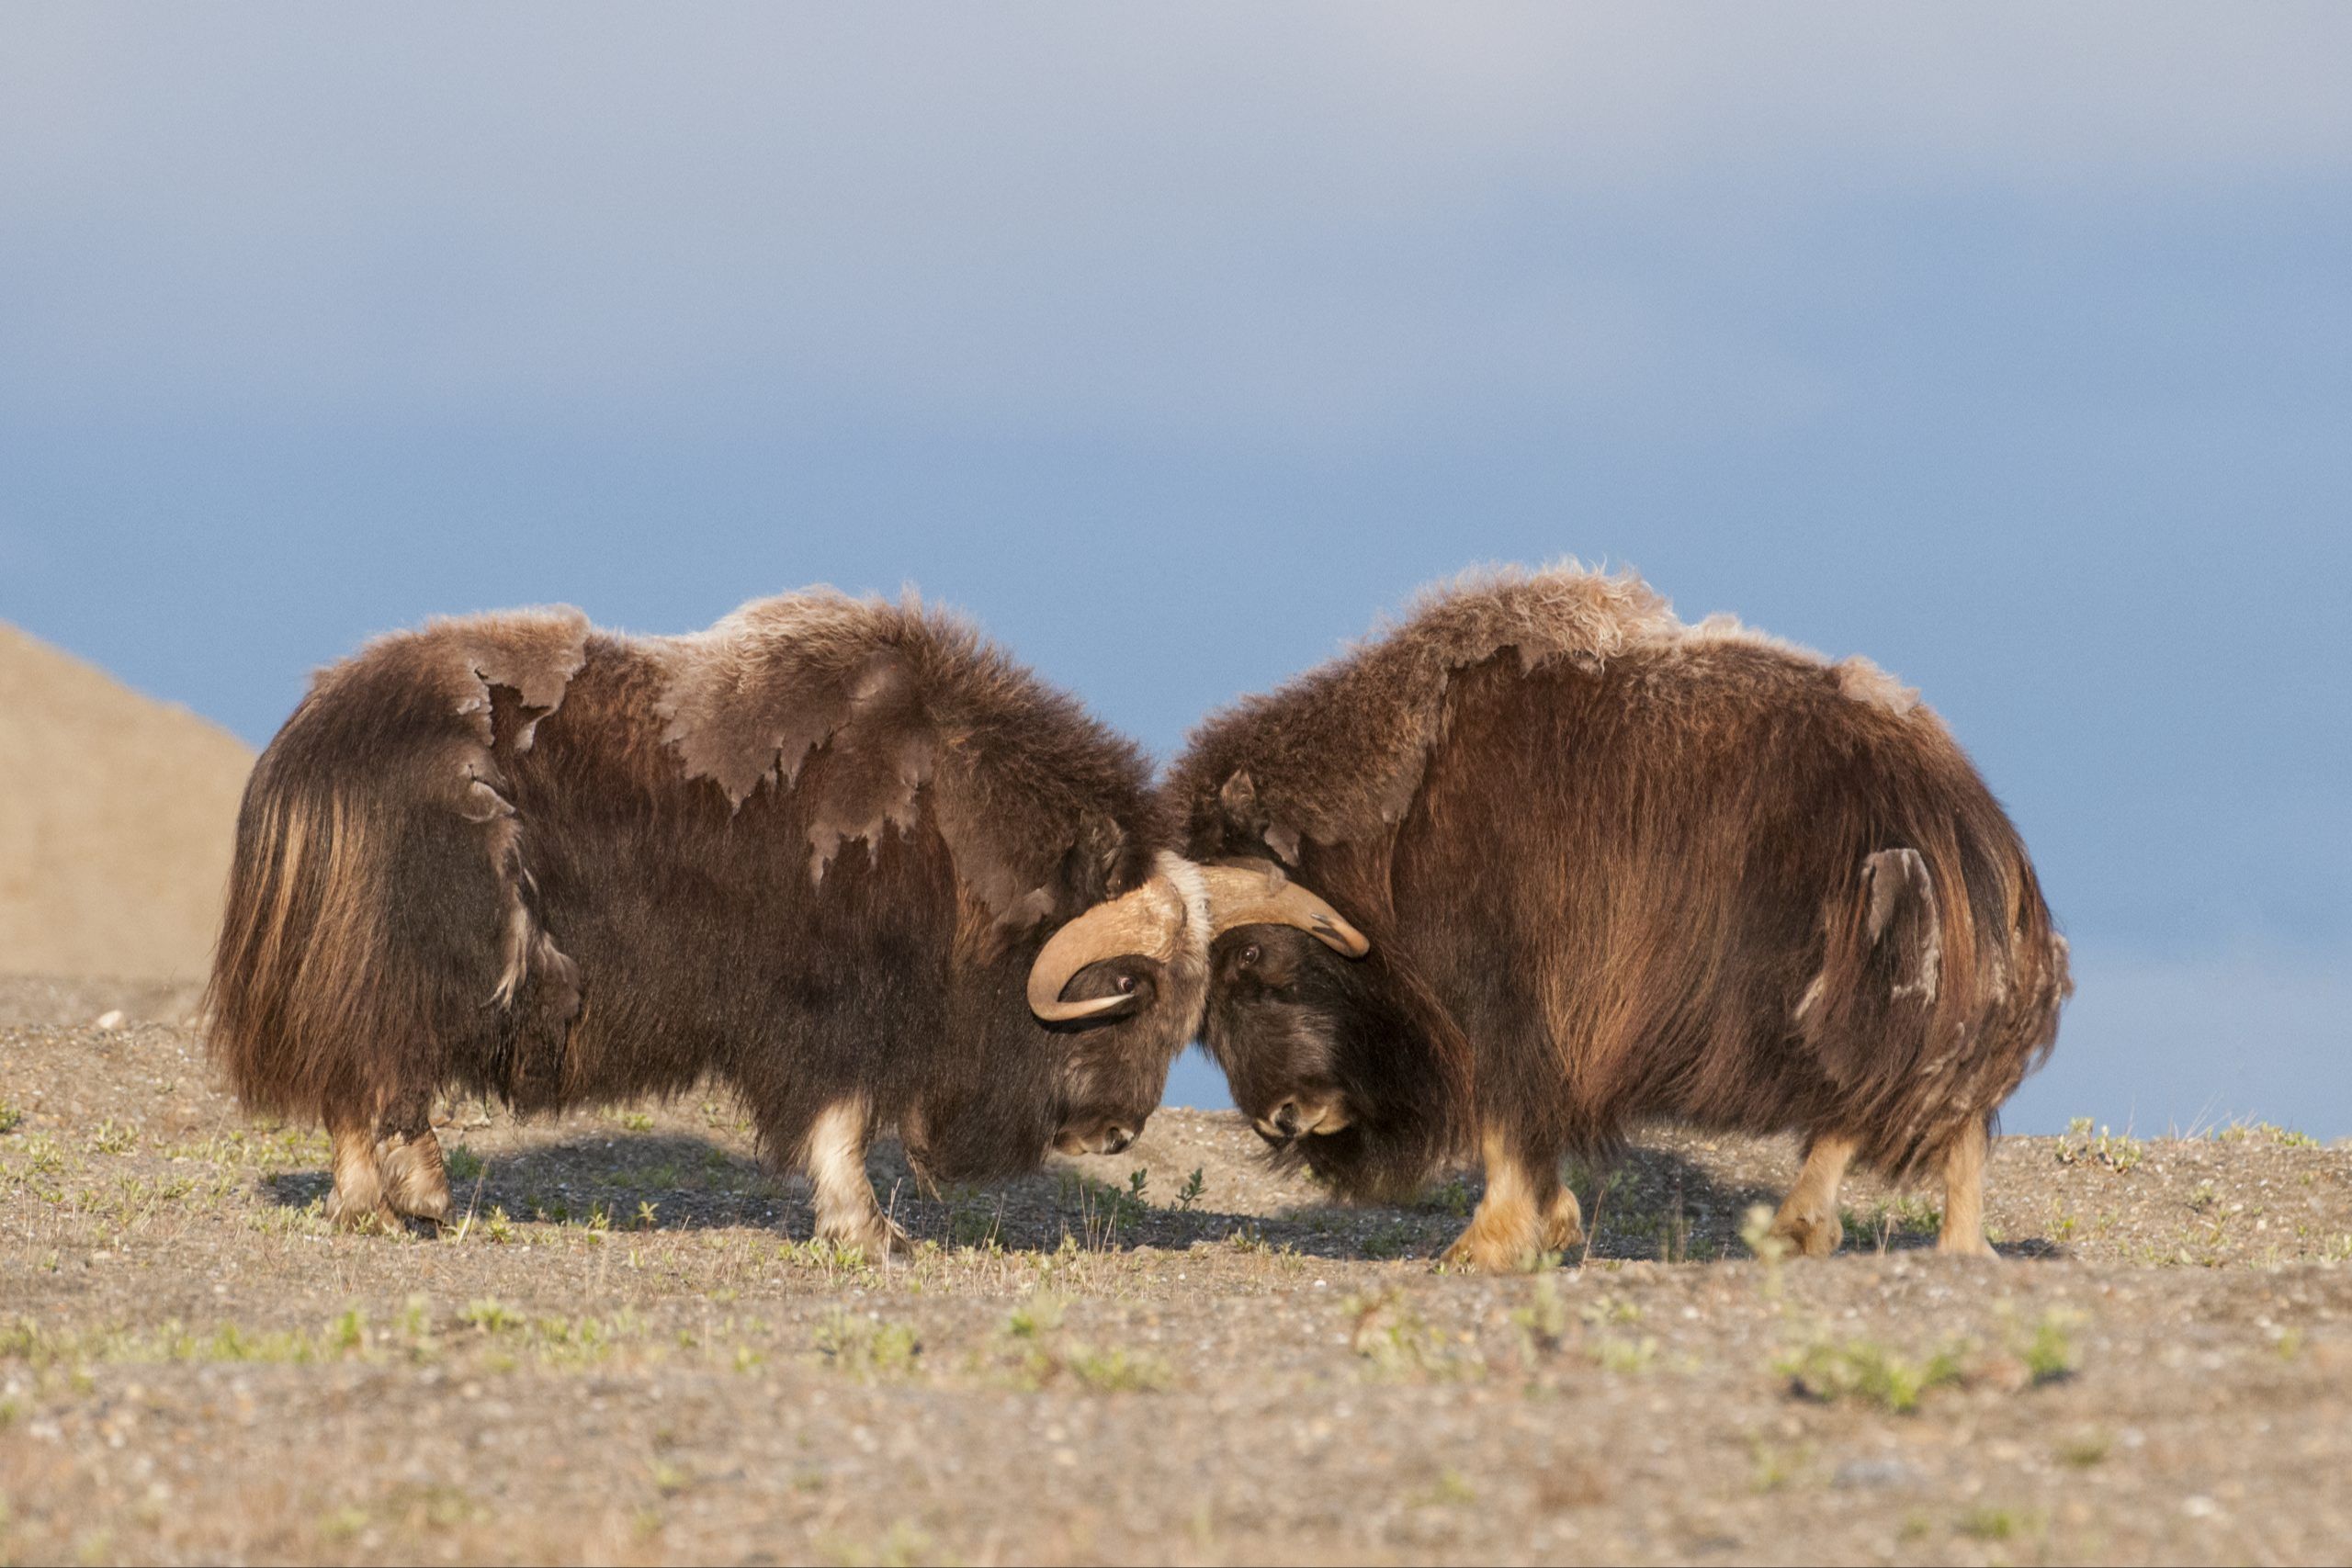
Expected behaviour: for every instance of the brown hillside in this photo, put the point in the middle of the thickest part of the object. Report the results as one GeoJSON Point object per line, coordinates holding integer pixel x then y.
{"type": "Point", "coordinates": [117, 813]}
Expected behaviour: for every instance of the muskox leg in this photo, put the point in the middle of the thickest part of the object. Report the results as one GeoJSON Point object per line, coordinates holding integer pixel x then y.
{"type": "Point", "coordinates": [847, 1214]}
{"type": "Point", "coordinates": [407, 1156]}
{"type": "Point", "coordinates": [1526, 1211]}
{"type": "Point", "coordinates": [1963, 1230]}
{"type": "Point", "coordinates": [358, 1202]}
{"type": "Point", "coordinates": [1808, 1217]}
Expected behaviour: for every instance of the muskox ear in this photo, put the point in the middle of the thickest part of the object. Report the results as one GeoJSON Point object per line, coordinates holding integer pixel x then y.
{"type": "Point", "coordinates": [1240, 798]}
{"type": "Point", "coordinates": [1094, 858]}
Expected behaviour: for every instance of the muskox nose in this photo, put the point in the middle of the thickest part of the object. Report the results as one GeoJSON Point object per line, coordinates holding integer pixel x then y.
{"type": "Point", "coordinates": [1116, 1139]}
{"type": "Point", "coordinates": [1286, 1118]}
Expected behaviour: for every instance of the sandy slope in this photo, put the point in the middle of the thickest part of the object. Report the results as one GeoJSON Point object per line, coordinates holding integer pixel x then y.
{"type": "Point", "coordinates": [116, 816]}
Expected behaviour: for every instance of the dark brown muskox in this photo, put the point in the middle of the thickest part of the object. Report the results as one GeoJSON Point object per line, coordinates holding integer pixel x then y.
{"type": "Point", "coordinates": [842, 854]}
{"type": "Point", "coordinates": [1593, 864]}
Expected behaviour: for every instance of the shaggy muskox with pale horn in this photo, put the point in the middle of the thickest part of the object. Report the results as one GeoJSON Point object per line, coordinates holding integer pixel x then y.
{"type": "Point", "coordinates": [1596, 866]}
{"type": "Point", "coordinates": [841, 855]}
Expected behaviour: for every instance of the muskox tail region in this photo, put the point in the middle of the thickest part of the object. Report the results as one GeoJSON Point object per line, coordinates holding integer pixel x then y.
{"type": "Point", "coordinates": [1938, 991]}
{"type": "Point", "coordinates": [380, 940]}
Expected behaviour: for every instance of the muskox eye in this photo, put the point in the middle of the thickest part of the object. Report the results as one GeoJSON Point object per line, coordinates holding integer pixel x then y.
{"type": "Point", "coordinates": [1127, 984]}
{"type": "Point", "coordinates": [1249, 955]}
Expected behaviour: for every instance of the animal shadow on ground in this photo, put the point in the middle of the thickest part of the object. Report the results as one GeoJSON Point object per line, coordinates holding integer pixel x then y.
{"type": "Point", "coordinates": [1653, 1204]}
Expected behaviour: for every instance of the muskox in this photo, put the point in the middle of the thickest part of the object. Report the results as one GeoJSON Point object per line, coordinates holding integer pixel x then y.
{"type": "Point", "coordinates": [839, 853]}
{"type": "Point", "coordinates": [1583, 864]}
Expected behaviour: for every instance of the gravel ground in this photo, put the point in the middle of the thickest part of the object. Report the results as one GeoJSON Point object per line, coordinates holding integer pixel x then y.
{"type": "Point", "coordinates": [631, 1351]}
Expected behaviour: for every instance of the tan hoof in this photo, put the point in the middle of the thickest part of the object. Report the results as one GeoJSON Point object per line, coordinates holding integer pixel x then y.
{"type": "Point", "coordinates": [356, 1204]}
{"type": "Point", "coordinates": [361, 1215]}
{"type": "Point", "coordinates": [876, 1240]}
{"type": "Point", "coordinates": [1961, 1247]}
{"type": "Point", "coordinates": [1494, 1249]}
{"type": "Point", "coordinates": [1563, 1224]}
{"type": "Point", "coordinates": [1814, 1234]}
{"type": "Point", "coordinates": [415, 1181]}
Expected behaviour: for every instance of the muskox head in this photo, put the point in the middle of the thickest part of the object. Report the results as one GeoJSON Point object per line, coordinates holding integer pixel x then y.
{"type": "Point", "coordinates": [1121, 988]}
{"type": "Point", "coordinates": [1331, 1050]}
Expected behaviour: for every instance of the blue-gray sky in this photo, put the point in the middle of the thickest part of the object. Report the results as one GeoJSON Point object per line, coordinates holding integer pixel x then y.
{"type": "Point", "coordinates": [2011, 346]}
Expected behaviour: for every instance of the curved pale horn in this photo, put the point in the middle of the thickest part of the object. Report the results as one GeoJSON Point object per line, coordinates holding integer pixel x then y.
{"type": "Point", "coordinates": [1245, 895]}
{"type": "Point", "coordinates": [1145, 922]}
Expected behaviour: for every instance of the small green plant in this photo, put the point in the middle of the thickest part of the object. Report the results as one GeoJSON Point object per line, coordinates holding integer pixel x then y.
{"type": "Point", "coordinates": [1116, 1370]}
{"type": "Point", "coordinates": [1188, 1194]}
{"type": "Point", "coordinates": [974, 1219]}
{"type": "Point", "coordinates": [11, 1118]}
{"type": "Point", "coordinates": [462, 1164]}
{"type": "Point", "coordinates": [109, 1139]}
{"type": "Point", "coordinates": [1616, 1353]}
{"type": "Point", "coordinates": [1771, 1248]}
{"type": "Point", "coordinates": [1453, 1196]}
{"type": "Point", "coordinates": [1831, 1371]}
{"type": "Point", "coordinates": [1543, 1323]}
{"type": "Point", "coordinates": [1771, 1467]}
{"type": "Point", "coordinates": [2116, 1152]}
{"type": "Point", "coordinates": [1397, 1342]}
{"type": "Point", "coordinates": [1988, 1523]}
{"type": "Point", "coordinates": [1908, 1217]}
{"type": "Point", "coordinates": [2084, 1449]}
{"type": "Point", "coordinates": [2268, 1132]}
{"type": "Point", "coordinates": [2048, 1347]}
{"type": "Point", "coordinates": [348, 1332]}
{"type": "Point", "coordinates": [867, 1346]}
{"type": "Point", "coordinates": [490, 1315]}
{"type": "Point", "coordinates": [1037, 1317]}
{"type": "Point", "coordinates": [1387, 1238]}
{"type": "Point", "coordinates": [498, 1229]}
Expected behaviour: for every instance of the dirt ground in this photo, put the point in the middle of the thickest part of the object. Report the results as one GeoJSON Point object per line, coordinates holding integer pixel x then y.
{"type": "Point", "coordinates": [630, 1351]}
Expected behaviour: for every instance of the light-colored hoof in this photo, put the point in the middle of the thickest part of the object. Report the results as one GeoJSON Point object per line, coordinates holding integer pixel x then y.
{"type": "Point", "coordinates": [416, 1183]}
{"type": "Point", "coordinates": [1564, 1226]}
{"type": "Point", "coordinates": [877, 1240]}
{"type": "Point", "coordinates": [362, 1217]}
{"type": "Point", "coordinates": [1486, 1252]}
{"type": "Point", "coordinates": [1812, 1235]}
{"type": "Point", "coordinates": [1973, 1247]}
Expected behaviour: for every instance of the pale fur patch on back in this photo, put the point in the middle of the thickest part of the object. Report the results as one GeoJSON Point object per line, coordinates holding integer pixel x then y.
{"type": "Point", "coordinates": [1866, 682]}
{"type": "Point", "coordinates": [535, 653]}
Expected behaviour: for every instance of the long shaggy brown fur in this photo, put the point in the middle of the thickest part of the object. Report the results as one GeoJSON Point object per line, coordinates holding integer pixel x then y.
{"type": "Point", "coordinates": [811, 851]}
{"type": "Point", "coordinates": [1613, 866]}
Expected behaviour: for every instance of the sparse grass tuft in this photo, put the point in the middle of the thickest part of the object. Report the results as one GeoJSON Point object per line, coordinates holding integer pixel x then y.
{"type": "Point", "coordinates": [2085, 1448]}
{"type": "Point", "coordinates": [1116, 1370]}
{"type": "Point", "coordinates": [462, 1164]}
{"type": "Point", "coordinates": [2264, 1132]}
{"type": "Point", "coordinates": [867, 1346]}
{"type": "Point", "coordinates": [1989, 1523]}
{"type": "Point", "coordinates": [11, 1118]}
{"type": "Point", "coordinates": [1392, 1336]}
{"type": "Point", "coordinates": [491, 1316]}
{"type": "Point", "coordinates": [2114, 1151]}
{"type": "Point", "coordinates": [1831, 1371]}
{"type": "Point", "coordinates": [2048, 1350]}
{"type": "Point", "coordinates": [1910, 1218]}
